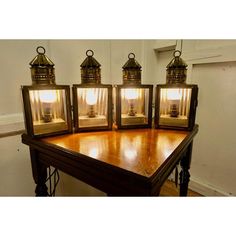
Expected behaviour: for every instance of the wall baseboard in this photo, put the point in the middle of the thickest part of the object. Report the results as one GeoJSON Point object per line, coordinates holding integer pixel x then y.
{"type": "Point", "coordinates": [11, 124]}
{"type": "Point", "coordinates": [206, 189]}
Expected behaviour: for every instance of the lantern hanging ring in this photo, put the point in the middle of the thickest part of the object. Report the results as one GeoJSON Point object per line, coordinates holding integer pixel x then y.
{"type": "Point", "coordinates": [177, 51]}
{"type": "Point", "coordinates": [38, 50]}
{"type": "Point", "coordinates": [131, 54]}
{"type": "Point", "coordinates": [89, 52]}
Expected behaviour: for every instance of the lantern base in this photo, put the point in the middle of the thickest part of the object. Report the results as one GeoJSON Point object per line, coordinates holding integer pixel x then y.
{"type": "Point", "coordinates": [133, 120]}
{"type": "Point", "coordinates": [40, 127]}
{"type": "Point", "coordinates": [180, 121]}
{"type": "Point", "coordinates": [98, 120]}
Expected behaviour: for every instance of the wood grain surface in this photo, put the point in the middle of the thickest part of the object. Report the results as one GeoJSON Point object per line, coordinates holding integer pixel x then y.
{"type": "Point", "coordinates": [141, 151]}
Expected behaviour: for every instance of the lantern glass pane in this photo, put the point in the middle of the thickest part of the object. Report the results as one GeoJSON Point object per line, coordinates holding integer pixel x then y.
{"type": "Point", "coordinates": [92, 107]}
{"type": "Point", "coordinates": [174, 106]}
{"type": "Point", "coordinates": [134, 106]}
{"type": "Point", "coordinates": [48, 110]}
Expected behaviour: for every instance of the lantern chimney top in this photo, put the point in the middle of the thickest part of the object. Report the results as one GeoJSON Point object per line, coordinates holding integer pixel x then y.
{"type": "Point", "coordinates": [176, 69]}
{"type": "Point", "coordinates": [131, 71]}
{"type": "Point", "coordinates": [90, 69]}
{"type": "Point", "coordinates": [42, 68]}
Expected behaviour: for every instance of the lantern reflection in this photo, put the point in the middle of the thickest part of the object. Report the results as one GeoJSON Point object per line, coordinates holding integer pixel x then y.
{"type": "Point", "coordinates": [130, 147]}
{"type": "Point", "coordinates": [130, 153]}
{"type": "Point", "coordinates": [94, 152]}
{"type": "Point", "coordinates": [93, 146]}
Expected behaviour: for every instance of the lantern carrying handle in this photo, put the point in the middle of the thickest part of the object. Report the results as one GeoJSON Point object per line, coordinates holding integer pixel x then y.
{"type": "Point", "coordinates": [40, 47]}
{"type": "Point", "coordinates": [131, 54]}
{"type": "Point", "coordinates": [177, 51]}
{"type": "Point", "coordinates": [89, 51]}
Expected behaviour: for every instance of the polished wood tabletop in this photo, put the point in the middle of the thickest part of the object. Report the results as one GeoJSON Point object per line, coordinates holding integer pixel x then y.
{"type": "Point", "coordinates": [141, 151]}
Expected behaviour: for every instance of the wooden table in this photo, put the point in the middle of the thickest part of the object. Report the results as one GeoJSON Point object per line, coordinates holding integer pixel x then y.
{"type": "Point", "coordinates": [119, 163]}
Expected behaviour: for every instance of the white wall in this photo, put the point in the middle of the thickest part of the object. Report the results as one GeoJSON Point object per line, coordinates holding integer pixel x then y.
{"type": "Point", "coordinates": [111, 54]}
{"type": "Point", "coordinates": [214, 150]}
{"type": "Point", "coordinates": [15, 168]}
{"type": "Point", "coordinates": [15, 57]}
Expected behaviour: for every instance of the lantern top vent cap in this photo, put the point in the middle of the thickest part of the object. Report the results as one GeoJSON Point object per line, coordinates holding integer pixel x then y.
{"type": "Point", "coordinates": [132, 63]}
{"type": "Point", "coordinates": [177, 61]}
{"type": "Point", "coordinates": [90, 61]}
{"type": "Point", "coordinates": [41, 60]}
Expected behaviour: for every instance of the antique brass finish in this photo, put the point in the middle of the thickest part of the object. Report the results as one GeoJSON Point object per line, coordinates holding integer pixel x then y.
{"type": "Point", "coordinates": [131, 112]}
{"type": "Point", "coordinates": [176, 70]}
{"type": "Point", "coordinates": [131, 71]}
{"type": "Point", "coordinates": [91, 113]}
{"type": "Point", "coordinates": [174, 110]}
{"type": "Point", "coordinates": [90, 69]}
{"type": "Point", "coordinates": [42, 68]}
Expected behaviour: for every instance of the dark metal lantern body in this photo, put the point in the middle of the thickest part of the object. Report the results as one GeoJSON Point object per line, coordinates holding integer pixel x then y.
{"type": "Point", "coordinates": [47, 106]}
{"type": "Point", "coordinates": [92, 101]}
{"type": "Point", "coordinates": [90, 70]}
{"type": "Point", "coordinates": [131, 71]}
{"type": "Point", "coordinates": [133, 99]}
{"type": "Point", "coordinates": [176, 101]}
{"type": "Point", "coordinates": [42, 69]}
{"type": "Point", "coordinates": [176, 70]}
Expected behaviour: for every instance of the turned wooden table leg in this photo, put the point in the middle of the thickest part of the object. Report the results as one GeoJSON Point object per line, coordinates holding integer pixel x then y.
{"type": "Point", "coordinates": [41, 188]}
{"type": "Point", "coordinates": [39, 174]}
{"type": "Point", "coordinates": [184, 174]}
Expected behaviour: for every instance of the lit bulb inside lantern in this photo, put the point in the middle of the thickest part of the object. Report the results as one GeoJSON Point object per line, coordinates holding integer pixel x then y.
{"type": "Point", "coordinates": [91, 100]}
{"type": "Point", "coordinates": [130, 94]}
{"type": "Point", "coordinates": [47, 97]}
{"type": "Point", "coordinates": [91, 97]}
{"type": "Point", "coordinates": [174, 96]}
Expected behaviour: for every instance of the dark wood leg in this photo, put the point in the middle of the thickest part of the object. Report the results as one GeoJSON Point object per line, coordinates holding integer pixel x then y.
{"type": "Point", "coordinates": [41, 190]}
{"type": "Point", "coordinates": [39, 174]}
{"type": "Point", "coordinates": [157, 193]}
{"type": "Point", "coordinates": [184, 174]}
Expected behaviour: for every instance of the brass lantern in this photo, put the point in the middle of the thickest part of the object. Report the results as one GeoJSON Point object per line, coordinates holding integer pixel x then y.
{"type": "Point", "coordinates": [92, 101]}
{"type": "Point", "coordinates": [176, 101]}
{"type": "Point", "coordinates": [133, 99]}
{"type": "Point", "coordinates": [47, 106]}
